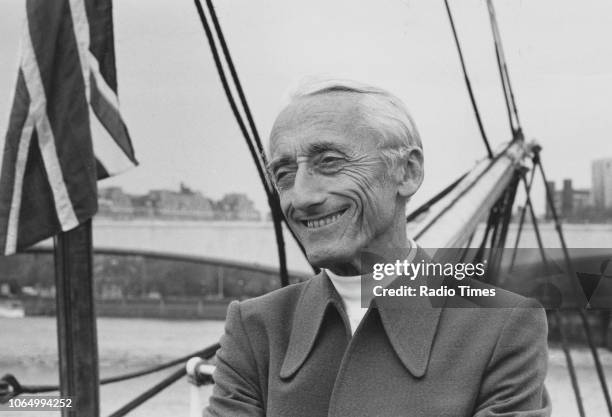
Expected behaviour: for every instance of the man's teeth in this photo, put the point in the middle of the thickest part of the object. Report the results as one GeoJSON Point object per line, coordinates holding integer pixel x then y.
{"type": "Point", "coordinates": [323, 221]}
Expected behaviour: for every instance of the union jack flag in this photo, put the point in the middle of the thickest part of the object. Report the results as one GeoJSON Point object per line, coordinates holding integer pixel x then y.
{"type": "Point", "coordinates": [65, 131]}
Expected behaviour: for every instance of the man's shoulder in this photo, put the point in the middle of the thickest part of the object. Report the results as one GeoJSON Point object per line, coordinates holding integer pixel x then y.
{"type": "Point", "coordinates": [476, 293]}
{"type": "Point", "coordinates": [487, 317]}
{"type": "Point", "coordinates": [271, 305]}
{"type": "Point", "coordinates": [269, 318]}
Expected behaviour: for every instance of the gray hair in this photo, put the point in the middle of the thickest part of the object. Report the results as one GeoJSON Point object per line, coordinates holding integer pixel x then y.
{"type": "Point", "coordinates": [380, 109]}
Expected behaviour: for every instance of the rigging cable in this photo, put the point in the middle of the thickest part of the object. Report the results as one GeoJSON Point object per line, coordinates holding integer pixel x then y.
{"type": "Point", "coordinates": [503, 82]}
{"type": "Point", "coordinates": [423, 208]}
{"type": "Point", "coordinates": [257, 154]}
{"type": "Point", "coordinates": [527, 206]}
{"type": "Point", "coordinates": [467, 82]}
{"type": "Point", "coordinates": [568, 359]}
{"type": "Point", "coordinates": [458, 197]}
{"type": "Point", "coordinates": [260, 157]}
{"type": "Point", "coordinates": [499, 241]}
{"type": "Point", "coordinates": [556, 313]}
{"type": "Point", "coordinates": [570, 268]}
{"type": "Point", "coordinates": [247, 111]}
{"type": "Point", "coordinates": [515, 124]}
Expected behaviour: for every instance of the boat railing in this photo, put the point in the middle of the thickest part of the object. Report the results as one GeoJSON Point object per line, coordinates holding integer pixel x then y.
{"type": "Point", "coordinates": [196, 362]}
{"type": "Point", "coordinates": [141, 283]}
{"type": "Point", "coordinates": [172, 256]}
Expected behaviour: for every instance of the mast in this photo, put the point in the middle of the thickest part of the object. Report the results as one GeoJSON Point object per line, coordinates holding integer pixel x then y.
{"type": "Point", "coordinates": [76, 321]}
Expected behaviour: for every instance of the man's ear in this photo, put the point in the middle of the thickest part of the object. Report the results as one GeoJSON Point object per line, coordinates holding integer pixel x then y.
{"type": "Point", "coordinates": [413, 173]}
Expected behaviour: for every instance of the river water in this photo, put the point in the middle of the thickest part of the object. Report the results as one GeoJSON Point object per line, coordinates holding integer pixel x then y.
{"type": "Point", "coordinates": [29, 345]}
{"type": "Point", "coordinates": [30, 353]}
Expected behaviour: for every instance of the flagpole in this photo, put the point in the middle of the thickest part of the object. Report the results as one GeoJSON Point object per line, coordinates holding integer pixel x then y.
{"type": "Point", "coordinates": [76, 321]}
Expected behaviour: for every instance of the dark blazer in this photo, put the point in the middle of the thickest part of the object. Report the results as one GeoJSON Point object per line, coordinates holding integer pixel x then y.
{"type": "Point", "coordinates": [290, 353]}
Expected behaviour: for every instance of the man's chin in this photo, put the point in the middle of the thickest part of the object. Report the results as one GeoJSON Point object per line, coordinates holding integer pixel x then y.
{"type": "Point", "coordinates": [330, 259]}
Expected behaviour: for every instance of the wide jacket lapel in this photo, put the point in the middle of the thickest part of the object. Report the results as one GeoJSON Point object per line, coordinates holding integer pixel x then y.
{"type": "Point", "coordinates": [317, 295]}
{"type": "Point", "coordinates": [411, 323]}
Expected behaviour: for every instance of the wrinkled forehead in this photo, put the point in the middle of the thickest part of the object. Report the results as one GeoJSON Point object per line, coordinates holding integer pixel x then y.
{"type": "Point", "coordinates": [333, 117]}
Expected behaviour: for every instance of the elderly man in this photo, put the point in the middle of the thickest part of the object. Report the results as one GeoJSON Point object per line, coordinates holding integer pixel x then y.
{"type": "Point", "coordinates": [345, 159]}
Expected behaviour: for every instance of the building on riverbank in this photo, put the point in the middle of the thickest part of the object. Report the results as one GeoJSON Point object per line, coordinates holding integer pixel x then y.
{"type": "Point", "coordinates": [184, 204]}
{"type": "Point", "coordinates": [601, 170]}
{"type": "Point", "coordinates": [570, 203]}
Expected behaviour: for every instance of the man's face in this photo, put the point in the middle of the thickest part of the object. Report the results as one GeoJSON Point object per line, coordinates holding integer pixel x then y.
{"type": "Point", "coordinates": [335, 189]}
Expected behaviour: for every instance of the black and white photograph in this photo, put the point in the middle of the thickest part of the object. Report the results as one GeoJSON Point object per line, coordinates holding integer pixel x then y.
{"type": "Point", "coordinates": [284, 208]}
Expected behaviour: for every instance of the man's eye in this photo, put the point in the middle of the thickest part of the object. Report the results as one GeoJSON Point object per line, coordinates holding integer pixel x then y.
{"type": "Point", "coordinates": [330, 159]}
{"type": "Point", "coordinates": [330, 164]}
{"type": "Point", "coordinates": [281, 174]}
{"type": "Point", "coordinates": [283, 179]}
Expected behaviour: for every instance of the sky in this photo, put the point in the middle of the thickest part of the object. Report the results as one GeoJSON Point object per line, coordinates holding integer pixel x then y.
{"type": "Point", "coordinates": [558, 51]}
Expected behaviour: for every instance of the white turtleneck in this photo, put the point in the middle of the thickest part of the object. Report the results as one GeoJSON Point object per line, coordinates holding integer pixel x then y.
{"type": "Point", "coordinates": [349, 288]}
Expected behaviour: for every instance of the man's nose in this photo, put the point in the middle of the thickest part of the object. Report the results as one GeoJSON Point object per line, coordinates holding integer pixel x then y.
{"type": "Point", "coordinates": [307, 189]}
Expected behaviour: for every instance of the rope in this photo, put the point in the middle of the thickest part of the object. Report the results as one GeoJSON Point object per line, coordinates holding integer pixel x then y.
{"type": "Point", "coordinates": [228, 93]}
{"type": "Point", "coordinates": [256, 154]}
{"type": "Point", "coordinates": [503, 213]}
{"type": "Point", "coordinates": [468, 83]}
{"type": "Point", "coordinates": [522, 218]}
{"type": "Point", "coordinates": [534, 222]}
{"type": "Point", "coordinates": [556, 313]}
{"type": "Point", "coordinates": [467, 248]}
{"type": "Point", "coordinates": [558, 318]}
{"type": "Point", "coordinates": [504, 87]}
{"type": "Point", "coordinates": [205, 353]}
{"type": "Point", "coordinates": [600, 372]}
{"type": "Point", "coordinates": [429, 203]}
{"type": "Point", "coordinates": [585, 324]}
{"type": "Point", "coordinates": [10, 386]}
{"type": "Point", "coordinates": [479, 256]}
{"type": "Point", "coordinates": [151, 392]}
{"type": "Point", "coordinates": [503, 71]}
{"type": "Point", "coordinates": [505, 216]}
{"type": "Point", "coordinates": [570, 363]}
{"type": "Point", "coordinates": [499, 215]}
{"type": "Point", "coordinates": [495, 219]}
{"type": "Point", "coordinates": [238, 85]}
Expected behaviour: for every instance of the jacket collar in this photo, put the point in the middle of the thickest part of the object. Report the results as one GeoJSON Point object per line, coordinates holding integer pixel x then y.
{"type": "Point", "coordinates": [410, 323]}
{"type": "Point", "coordinates": [316, 296]}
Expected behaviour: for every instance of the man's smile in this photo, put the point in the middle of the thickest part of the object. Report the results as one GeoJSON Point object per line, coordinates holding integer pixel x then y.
{"type": "Point", "coordinates": [322, 220]}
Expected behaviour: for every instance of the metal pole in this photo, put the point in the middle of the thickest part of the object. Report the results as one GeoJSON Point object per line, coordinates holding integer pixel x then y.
{"type": "Point", "coordinates": [76, 321]}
